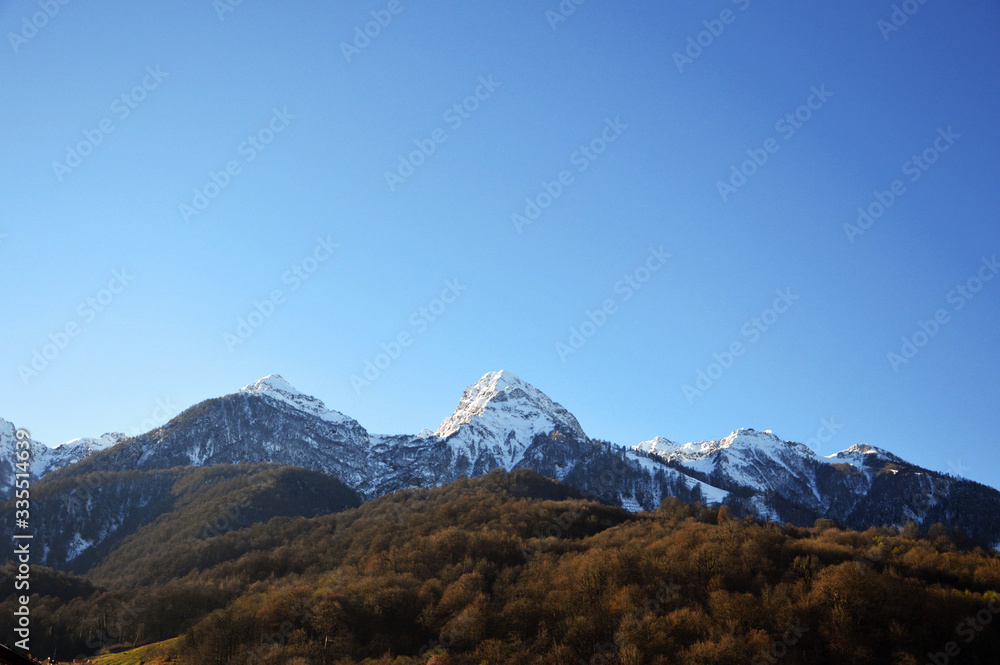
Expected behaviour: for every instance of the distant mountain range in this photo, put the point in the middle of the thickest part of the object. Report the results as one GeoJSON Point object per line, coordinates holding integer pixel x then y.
{"type": "Point", "coordinates": [500, 422]}
{"type": "Point", "coordinates": [44, 459]}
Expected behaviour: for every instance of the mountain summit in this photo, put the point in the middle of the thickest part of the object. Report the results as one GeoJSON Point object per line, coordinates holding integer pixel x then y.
{"type": "Point", "coordinates": [503, 414]}
{"type": "Point", "coordinates": [276, 388]}
{"type": "Point", "coordinates": [502, 398]}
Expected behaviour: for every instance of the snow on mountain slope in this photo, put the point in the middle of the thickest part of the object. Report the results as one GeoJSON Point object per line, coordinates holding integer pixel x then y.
{"type": "Point", "coordinates": [861, 455]}
{"type": "Point", "coordinates": [268, 421]}
{"type": "Point", "coordinates": [102, 442]}
{"type": "Point", "coordinates": [40, 460]}
{"type": "Point", "coordinates": [502, 399]}
{"type": "Point", "coordinates": [761, 466]}
{"type": "Point", "coordinates": [499, 416]}
{"type": "Point", "coordinates": [859, 487]}
{"type": "Point", "coordinates": [73, 451]}
{"type": "Point", "coordinates": [747, 458]}
{"type": "Point", "coordinates": [660, 446]}
{"type": "Point", "coordinates": [276, 388]}
{"type": "Point", "coordinates": [504, 422]}
{"type": "Point", "coordinates": [44, 460]}
{"type": "Point", "coordinates": [709, 493]}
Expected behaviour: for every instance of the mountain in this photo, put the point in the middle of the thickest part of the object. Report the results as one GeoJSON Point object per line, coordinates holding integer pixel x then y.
{"type": "Point", "coordinates": [500, 422]}
{"type": "Point", "coordinates": [496, 421]}
{"type": "Point", "coordinates": [503, 422]}
{"type": "Point", "coordinates": [500, 416]}
{"type": "Point", "coordinates": [267, 421]}
{"type": "Point", "coordinates": [45, 460]}
{"type": "Point", "coordinates": [785, 481]}
{"type": "Point", "coordinates": [748, 461]}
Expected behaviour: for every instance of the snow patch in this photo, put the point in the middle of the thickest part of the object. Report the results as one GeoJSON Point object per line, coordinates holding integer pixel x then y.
{"type": "Point", "coordinates": [629, 504]}
{"type": "Point", "coordinates": [77, 546]}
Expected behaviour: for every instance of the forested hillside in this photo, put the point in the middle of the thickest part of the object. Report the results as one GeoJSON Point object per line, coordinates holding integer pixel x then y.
{"type": "Point", "coordinates": [515, 568]}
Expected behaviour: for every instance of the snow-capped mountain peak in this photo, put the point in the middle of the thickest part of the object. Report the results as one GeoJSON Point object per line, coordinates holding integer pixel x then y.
{"type": "Point", "coordinates": [275, 387]}
{"type": "Point", "coordinates": [498, 418]}
{"type": "Point", "coordinates": [73, 451]}
{"type": "Point", "coordinates": [862, 453]}
{"type": "Point", "coordinates": [272, 382]}
{"type": "Point", "coordinates": [658, 445]}
{"type": "Point", "coordinates": [501, 398]}
{"type": "Point", "coordinates": [744, 438]}
{"type": "Point", "coordinates": [864, 449]}
{"type": "Point", "coordinates": [749, 436]}
{"type": "Point", "coordinates": [91, 444]}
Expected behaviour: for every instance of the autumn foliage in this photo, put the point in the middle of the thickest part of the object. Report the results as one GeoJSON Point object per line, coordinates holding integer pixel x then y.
{"type": "Point", "coordinates": [514, 569]}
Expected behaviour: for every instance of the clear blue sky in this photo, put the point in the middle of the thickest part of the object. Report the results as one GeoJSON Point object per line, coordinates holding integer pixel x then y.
{"type": "Point", "coordinates": [656, 185]}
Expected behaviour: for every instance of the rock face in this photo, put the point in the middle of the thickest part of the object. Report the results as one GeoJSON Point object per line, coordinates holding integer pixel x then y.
{"type": "Point", "coordinates": [502, 421]}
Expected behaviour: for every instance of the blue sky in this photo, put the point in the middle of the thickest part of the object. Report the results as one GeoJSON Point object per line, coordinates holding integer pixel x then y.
{"type": "Point", "coordinates": [621, 143]}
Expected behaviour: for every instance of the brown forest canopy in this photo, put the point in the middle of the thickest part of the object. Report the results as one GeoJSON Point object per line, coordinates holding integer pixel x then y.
{"type": "Point", "coordinates": [517, 569]}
